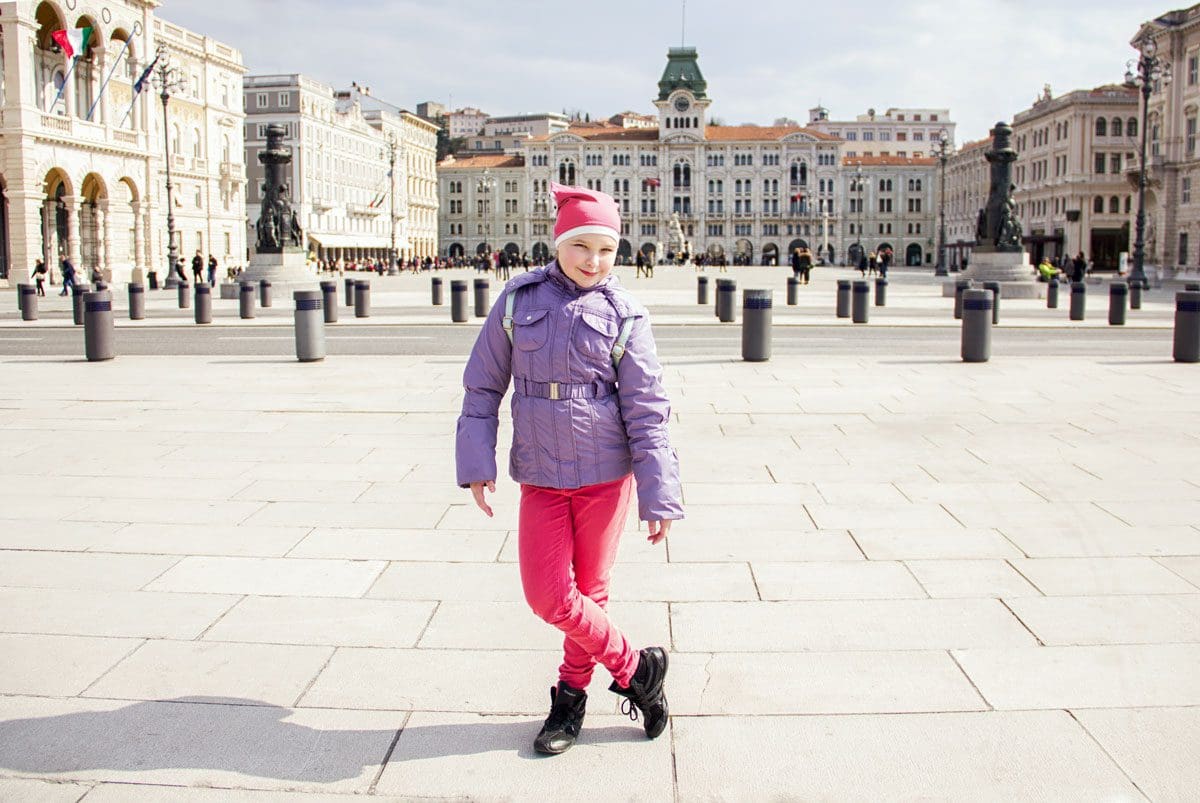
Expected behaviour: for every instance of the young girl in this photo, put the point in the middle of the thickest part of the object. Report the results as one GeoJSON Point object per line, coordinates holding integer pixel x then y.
{"type": "Point", "coordinates": [589, 417]}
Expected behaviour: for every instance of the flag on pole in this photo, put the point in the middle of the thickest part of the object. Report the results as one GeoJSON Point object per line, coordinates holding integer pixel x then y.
{"type": "Point", "coordinates": [140, 83]}
{"type": "Point", "coordinates": [652, 182]}
{"type": "Point", "coordinates": [73, 41]}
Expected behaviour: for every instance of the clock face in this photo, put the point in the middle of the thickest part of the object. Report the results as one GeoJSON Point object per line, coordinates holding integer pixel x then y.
{"type": "Point", "coordinates": [681, 104]}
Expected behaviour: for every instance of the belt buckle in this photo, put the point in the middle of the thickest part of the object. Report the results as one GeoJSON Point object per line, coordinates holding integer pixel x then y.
{"type": "Point", "coordinates": [554, 391]}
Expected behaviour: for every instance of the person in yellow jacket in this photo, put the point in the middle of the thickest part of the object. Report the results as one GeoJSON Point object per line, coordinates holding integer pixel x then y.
{"type": "Point", "coordinates": [1047, 271]}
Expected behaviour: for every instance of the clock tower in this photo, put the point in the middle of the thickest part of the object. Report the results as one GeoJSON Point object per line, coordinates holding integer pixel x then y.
{"type": "Point", "coordinates": [682, 97]}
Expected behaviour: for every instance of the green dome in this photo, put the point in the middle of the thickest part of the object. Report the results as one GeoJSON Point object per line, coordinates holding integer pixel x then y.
{"type": "Point", "coordinates": [682, 72]}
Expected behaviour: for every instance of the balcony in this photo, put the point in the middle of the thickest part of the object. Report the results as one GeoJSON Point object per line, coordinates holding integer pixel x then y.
{"type": "Point", "coordinates": [363, 210]}
{"type": "Point", "coordinates": [199, 165]}
{"type": "Point", "coordinates": [232, 171]}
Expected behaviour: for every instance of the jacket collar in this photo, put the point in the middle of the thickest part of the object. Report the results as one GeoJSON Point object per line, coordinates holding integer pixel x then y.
{"type": "Point", "coordinates": [562, 280]}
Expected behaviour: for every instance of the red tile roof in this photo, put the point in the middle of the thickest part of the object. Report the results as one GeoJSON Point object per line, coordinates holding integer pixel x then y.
{"type": "Point", "coordinates": [714, 133]}
{"type": "Point", "coordinates": [482, 160]}
{"type": "Point", "coordinates": [887, 161]}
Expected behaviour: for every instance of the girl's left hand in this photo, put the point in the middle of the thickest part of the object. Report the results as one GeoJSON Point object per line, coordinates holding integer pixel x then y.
{"type": "Point", "coordinates": [658, 530]}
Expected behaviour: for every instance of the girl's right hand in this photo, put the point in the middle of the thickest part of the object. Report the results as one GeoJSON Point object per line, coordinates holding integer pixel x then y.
{"type": "Point", "coordinates": [477, 492]}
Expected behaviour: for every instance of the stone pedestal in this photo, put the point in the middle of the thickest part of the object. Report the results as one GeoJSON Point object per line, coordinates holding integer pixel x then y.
{"type": "Point", "coordinates": [287, 270]}
{"type": "Point", "coordinates": [1011, 269]}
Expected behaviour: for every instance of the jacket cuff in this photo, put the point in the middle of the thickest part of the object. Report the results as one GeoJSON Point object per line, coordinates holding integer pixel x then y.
{"type": "Point", "coordinates": [657, 474]}
{"type": "Point", "coordinates": [475, 448]}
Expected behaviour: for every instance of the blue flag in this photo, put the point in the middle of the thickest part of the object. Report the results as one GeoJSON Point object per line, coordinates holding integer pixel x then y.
{"type": "Point", "coordinates": [140, 83]}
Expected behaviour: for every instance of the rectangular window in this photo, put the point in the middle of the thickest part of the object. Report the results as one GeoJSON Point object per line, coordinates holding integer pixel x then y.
{"type": "Point", "coordinates": [851, 136]}
{"type": "Point", "coordinates": [1185, 190]}
{"type": "Point", "coordinates": [1183, 247]}
{"type": "Point", "coordinates": [868, 136]}
{"type": "Point", "coordinates": [260, 100]}
{"type": "Point", "coordinates": [1190, 141]}
{"type": "Point", "coordinates": [1193, 65]}
{"type": "Point", "coordinates": [901, 136]}
{"type": "Point", "coordinates": [918, 136]}
{"type": "Point", "coordinates": [1101, 161]}
{"type": "Point", "coordinates": [1116, 163]}
{"type": "Point", "coordinates": [285, 100]}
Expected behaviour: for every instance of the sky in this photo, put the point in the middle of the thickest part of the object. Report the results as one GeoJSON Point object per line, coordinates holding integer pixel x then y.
{"type": "Point", "coordinates": [764, 59]}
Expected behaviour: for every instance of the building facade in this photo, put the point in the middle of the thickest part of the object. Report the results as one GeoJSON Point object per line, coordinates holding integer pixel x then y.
{"type": "Point", "coordinates": [351, 174]}
{"type": "Point", "coordinates": [905, 133]}
{"type": "Point", "coordinates": [82, 159]}
{"type": "Point", "coordinates": [742, 193]}
{"type": "Point", "coordinates": [890, 205]}
{"type": "Point", "coordinates": [968, 182]}
{"type": "Point", "coordinates": [1072, 193]}
{"type": "Point", "coordinates": [463, 123]}
{"type": "Point", "coordinates": [509, 134]}
{"type": "Point", "coordinates": [1172, 235]}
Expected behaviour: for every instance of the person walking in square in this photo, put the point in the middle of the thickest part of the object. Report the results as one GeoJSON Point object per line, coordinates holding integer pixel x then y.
{"type": "Point", "coordinates": [589, 417]}
{"type": "Point", "coordinates": [68, 274]}
{"type": "Point", "coordinates": [197, 268]}
{"type": "Point", "coordinates": [39, 277]}
{"type": "Point", "coordinates": [212, 270]}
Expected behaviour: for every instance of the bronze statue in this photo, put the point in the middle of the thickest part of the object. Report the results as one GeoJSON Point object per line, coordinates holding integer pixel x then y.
{"type": "Point", "coordinates": [998, 228]}
{"type": "Point", "coordinates": [278, 227]}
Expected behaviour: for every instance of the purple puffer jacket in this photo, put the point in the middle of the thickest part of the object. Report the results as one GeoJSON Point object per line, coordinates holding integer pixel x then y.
{"type": "Point", "coordinates": [565, 334]}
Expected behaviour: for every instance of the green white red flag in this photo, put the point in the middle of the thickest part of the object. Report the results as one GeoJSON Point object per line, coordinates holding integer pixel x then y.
{"type": "Point", "coordinates": [73, 41]}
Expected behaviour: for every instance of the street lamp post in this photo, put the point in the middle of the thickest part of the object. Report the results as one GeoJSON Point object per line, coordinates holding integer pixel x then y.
{"type": "Point", "coordinates": [484, 185]}
{"type": "Point", "coordinates": [942, 150]}
{"type": "Point", "coordinates": [1150, 70]}
{"type": "Point", "coordinates": [169, 79]}
{"type": "Point", "coordinates": [858, 183]}
{"type": "Point", "coordinates": [391, 175]}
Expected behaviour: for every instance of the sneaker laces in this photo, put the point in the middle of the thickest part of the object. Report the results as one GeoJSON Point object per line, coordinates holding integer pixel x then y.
{"type": "Point", "coordinates": [629, 709]}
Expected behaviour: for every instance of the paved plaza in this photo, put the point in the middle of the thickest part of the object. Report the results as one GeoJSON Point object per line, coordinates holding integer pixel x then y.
{"type": "Point", "coordinates": [243, 578]}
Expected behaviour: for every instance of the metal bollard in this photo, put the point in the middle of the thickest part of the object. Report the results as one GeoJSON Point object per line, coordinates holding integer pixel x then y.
{"type": "Point", "coordinates": [329, 301]}
{"type": "Point", "coordinates": [843, 298]}
{"type": "Point", "coordinates": [960, 286]}
{"type": "Point", "coordinates": [1118, 298]}
{"type": "Point", "coordinates": [793, 292]}
{"type": "Point", "coordinates": [483, 292]}
{"type": "Point", "coordinates": [881, 292]}
{"type": "Point", "coordinates": [350, 292]}
{"type": "Point", "coordinates": [435, 290]}
{"type": "Point", "coordinates": [861, 302]}
{"type": "Point", "coordinates": [246, 300]}
{"type": "Point", "coordinates": [726, 300]}
{"type": "Point", "coordinates": [1052, 294]}
{"type": "Point", "coordinates": [137, 302]}
{"type": "Point", "coordinates": [458, 300]}
{"type": "Point", "coordinates": [1192, 287]}
{"type": "Point", "coordinates": [77, 292]}
{"type": "Point", "coordinates": [977, 326]}
{"type": "Point", "coordinates": [203, 313]}
{"type": "Point", "coordinates": [362, 299]}
{"type": "Point", "coordinates": [1135, 295]}
{"type": "Point", "coordinates": [27, 297]}
{"type": "Point", "coordinates": [995, 288]}
{"type": "Point", "coordinates": [310, 323]}
{"type": "Point", "coordinates": [21, 297]}
{"type": "Point", "coordinates": [1078, 301]}
{"type": "Point", "coordinates": [1187, 326]}
{"type": "Point", "coordinates": [756, 325]}
{"type": "Point", "coordinates": [701, 290]}
{"type": "Point", "coordinates": [264, 293]}
{"type": "Point", "coordinates": [101, 287]}
{"type": "Point", "coordinates": [98, 326]}
{"type": "Point", "coordinates": [185, 295]}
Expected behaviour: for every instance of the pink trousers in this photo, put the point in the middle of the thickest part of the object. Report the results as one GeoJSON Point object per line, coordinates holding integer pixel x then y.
{"type": "Point", "coordinates": [568, 541]}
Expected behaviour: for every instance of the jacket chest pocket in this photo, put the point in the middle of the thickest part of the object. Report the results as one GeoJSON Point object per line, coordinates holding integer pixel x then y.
{"type": "Point", "coordinates": [530, 329]}
{"type": "Point", "coordinates": [594, 338]}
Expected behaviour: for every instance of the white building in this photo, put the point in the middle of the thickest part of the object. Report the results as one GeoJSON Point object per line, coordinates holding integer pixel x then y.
{"type": "Point", "coordinates": [463, 123]}
{"type": "Point", "coordinates": [968, 182]}
{"type": "Point", "coordinates": [509, 134]}
{"type": "Point", "coordinates": [892, 207]}
{"type": "Point", "coordinates": [351, 160]}
{"type": "Point", "coordinates": [906, 133]}
{"type": "Point", "coordinates": [84, 179]}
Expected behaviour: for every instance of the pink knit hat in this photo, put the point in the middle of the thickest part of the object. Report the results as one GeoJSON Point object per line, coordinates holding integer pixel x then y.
{"type": "Point", "coordinates": [583, 211]}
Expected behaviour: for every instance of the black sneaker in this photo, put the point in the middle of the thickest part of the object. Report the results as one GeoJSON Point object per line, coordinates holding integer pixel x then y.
{"type": "Point", "coordinates": [562, 727]}
{"type": "Point", "coordinates": [645, 692]}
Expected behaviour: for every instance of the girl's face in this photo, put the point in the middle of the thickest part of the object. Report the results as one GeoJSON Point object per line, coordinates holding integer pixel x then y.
{"type": "Point", "coordinates": [587, 258]}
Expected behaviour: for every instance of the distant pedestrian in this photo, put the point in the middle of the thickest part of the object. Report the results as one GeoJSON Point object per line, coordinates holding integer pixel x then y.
{"type": "Point", "coordinates": [68, 274]}
{"type": "Point", "coordinates": [212, 270]}
{"type": "Point", "coordinates": [198, 268]}
{"type": "Point", "coordinates": [39, 277]}
{"type": "Point", "coordinates": [806, 263]}
{"type": "Point", "coordinates": [1078, 268]}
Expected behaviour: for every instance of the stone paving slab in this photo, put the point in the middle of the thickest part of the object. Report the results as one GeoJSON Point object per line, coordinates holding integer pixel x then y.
{"type": "Point", "coordinates": [270, 576]}
{"type": "Point", "coordinates": [1156, 747]}
{"type": "Point", "coordinates": [138, 614]}
{"type": "Point", "coordinates": [943, 578]}
{"type": "Point", "coordinates": [324, 621]}
{"type": "Point", "coordinates": [57, 666]}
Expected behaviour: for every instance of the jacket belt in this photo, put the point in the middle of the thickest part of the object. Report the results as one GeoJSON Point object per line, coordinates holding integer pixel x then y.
{"type": "Point", "coordinates": [563, 390]}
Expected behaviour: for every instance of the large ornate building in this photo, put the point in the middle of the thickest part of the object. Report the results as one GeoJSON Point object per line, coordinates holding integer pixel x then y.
{"type": "Point", "coordinates": [748, 192]}
{"type": "Point", "coordinates": [82, 169]}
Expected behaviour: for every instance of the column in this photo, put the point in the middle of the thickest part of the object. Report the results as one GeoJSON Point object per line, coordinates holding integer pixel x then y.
{"type": "Point", "coordinates": [74, 229]}
{"type": "Point", "coordinates": [103, 237]}
{"type": "Point", "coordinates": [136, 257]}
{"type": "Point", "coordinates": [25, 233]}
{"type": "Point", "coordinates": [20, 67]}
{"type": "Point", "coordinates": [147, 227]}
{"type": "Point", "coordinates": [50, 250]}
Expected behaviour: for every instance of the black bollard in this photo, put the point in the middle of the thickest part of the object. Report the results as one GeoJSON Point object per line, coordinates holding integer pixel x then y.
{"type": "Point", "coordinates": [702, 290]}
{"type": "Point", "coordinates": [977, 326]}
{"type": "Point", "coordinates": [1078, 301]}
{"type": "Point", "coordinates": [1135, 295]}
{"type": "Point", "coordinates": [756, 325]}
{"type": "Point", "coordinates": [137, 302]}
{"type": "Point", "coordinates": [264, 293]}
{"type": "Point", "coordinates": [185, 295]}
{"type": "Point", "coordinates": [1187, 326]}
{"type": "Point", "coordinates": [995, 288]}
{"type": "Point", "coordinates": [843, 298]}
{"type": "Point", "coordinates": [246, 300]}
{"type": "Point", "coordinates": [203, 312]}
{"type": "Point", "coordinates": [726, 300]}
{"type": "Point", "coordinates": [310, 324]}
{"type": "Point", "coordinates": [329, 301]}
{"type": "Point", "coordinates": [78, 290]}
{"type": "Point", "coordinates": [881, 292]}
{"type": "Point", "coordinates": [483, 292]}
{"type": "Point", "coordinates": [1192, 287]}
{"type": "Point", "coordinates": [435, 290]}
{"type": "Point", "coordinates": [27, 295]}
{"type": "Point", "coordinates": [960, 286]}
{"type": "Point", "coordinates": [861, 302]}
{"type": "Point", "coordinates": [1052, 294]}
{"type": "Point", "coordinates": [362, 299]}
{"type": "Point", "coordinates": [793, 291]}
{"type": "Point", "coordinates": [1118, 297]}
{"type": "Point", "coordinates": [98, 326]}
{"type": "Point", "coordinates": [350, 292]}
{"type": "Point", "coordinates": [458, 300]}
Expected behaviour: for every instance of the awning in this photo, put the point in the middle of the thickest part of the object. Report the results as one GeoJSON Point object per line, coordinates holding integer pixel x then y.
{"type": "Point", "coordinates": [343, 240]}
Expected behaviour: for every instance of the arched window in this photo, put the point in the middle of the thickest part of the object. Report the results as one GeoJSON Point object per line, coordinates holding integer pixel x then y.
{"type": "Point", "coordinates": [1131, 128]}
{"type": "Point", "coordinates": [616, 185]}
{"type": "Point", "coordinates": [678, 174]}
{"type": "Point", "coordinates": [626, 185]}
{"type": "Point", "coordinates": [695, 122]}
{"type": "Point", "coordinates": [1114, 205]}
{"type": "Point", "coordinates": [668, 122]}
{"type": "Point", "coordinates": [918, 185]}
{"type": "Point", "coordinates": [1101, 127]}
{"type": "Point", "coordinates": [882, 185]}
{"type": "Point", "coordinates": [1116, 126]}
{"type": "Point", "coordinates": [1098, 205]}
